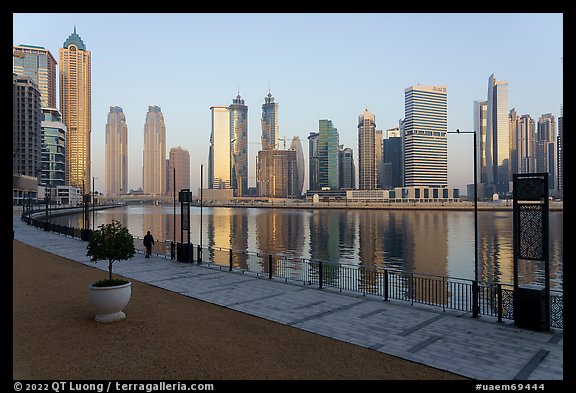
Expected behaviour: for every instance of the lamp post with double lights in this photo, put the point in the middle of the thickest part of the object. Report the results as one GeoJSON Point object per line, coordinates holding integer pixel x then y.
{"type": "Point", "coordinates": [475, 305]}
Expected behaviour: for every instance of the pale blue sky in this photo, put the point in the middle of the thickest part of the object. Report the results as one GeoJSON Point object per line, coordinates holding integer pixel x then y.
{"type": "Point", "coordinates": [318, 66]}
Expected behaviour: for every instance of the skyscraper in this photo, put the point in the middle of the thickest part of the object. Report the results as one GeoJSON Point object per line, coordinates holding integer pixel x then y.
{"type": "Point", "coordinates": [276, 173]}
{"type": "Point", "coordinates": [296, 145]}
{"type": "Point", "coordinates": [525, 146]}
{"type": "Point", "coordinates": [392, 158]}
{"type": "Point", "coordinates": [26, 128]}
{"type": "Point", "coordinates": [154, 157]}
{"type": "Point", "coordinates": [179, 161]}
{"type": "Point", "coordinates": [347, 170]}
{"type": "Point", "coordinates": [116, 163]}
{"type": "Point", "coordinates": [497, 148]}
{"type": "Point", "coordinates": [546, 149]}
{"type": "Point", "coordinates": [75, 106]}
{"type": "Point", "coordinates": [425, 138]}
{"type": "Point", "coordinates": [560, 149]}
{"type": "Point", "coordinates": [219, 159]}
{"type": "Point", "coordinates": [239, 141]}
{"type": "Point", "coordinates": [313, 161]}
{"type": "Point", "coordinates": [38, 64]}
{"type": "Point", "coordinates": [366, 151]}
{"type": "Point", "coordinates": [269, 123]}
{"type": "Point", "coordinates": [378, 152]}
{"type": "Point", "coordinates": [53, 148]}
{"type": "Point", "coordinates": [480, 128]}
{"type": "Point", "coordinates": [328, 155]}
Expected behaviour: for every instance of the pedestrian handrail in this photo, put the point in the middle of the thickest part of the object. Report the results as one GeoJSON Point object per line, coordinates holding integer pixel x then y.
{"type": "Point", "coordinates": [494, 299]}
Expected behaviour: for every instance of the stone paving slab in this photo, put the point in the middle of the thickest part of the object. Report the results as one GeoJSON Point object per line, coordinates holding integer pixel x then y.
{"type": "Point", "coordinates": [449, 340]}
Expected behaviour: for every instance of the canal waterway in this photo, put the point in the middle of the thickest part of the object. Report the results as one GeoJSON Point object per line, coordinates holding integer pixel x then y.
{"type": "Point", "coordinates": [435, 242]}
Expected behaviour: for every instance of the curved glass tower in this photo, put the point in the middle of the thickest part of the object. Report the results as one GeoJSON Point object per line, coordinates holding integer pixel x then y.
{"type": "Point", "coordinates": [116, 163]}
{"type": "Point", "coordinates": [296, 145]}
{"type": "Point", "coordinates": [154, 152]}
{"type": "Point", "coordinates": [239, 145]}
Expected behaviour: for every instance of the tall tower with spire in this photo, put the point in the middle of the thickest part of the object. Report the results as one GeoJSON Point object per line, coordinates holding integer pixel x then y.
{"type": "Point", "coordinates": [239, 145]}
{"type": "Point", "coordinates": [75, 105]}
{"type": "Point", "coordinates": [269, 123]}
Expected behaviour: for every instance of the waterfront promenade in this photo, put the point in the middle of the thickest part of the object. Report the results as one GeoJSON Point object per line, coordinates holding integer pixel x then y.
{"type": "Point", "coordinates": [444, 340]}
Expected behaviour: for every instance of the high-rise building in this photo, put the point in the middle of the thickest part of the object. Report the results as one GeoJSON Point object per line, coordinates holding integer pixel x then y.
{"type": "Point", "coordinates": [497, 147]}
{"type": "Point", "coordinates": [26, 128]}
{"type": "Point", "coordinates": [313, 161]}
{"type": "Point", "coordinates": [425, 139]}
{"type": "Point", "coordinates": [392, 158]}
{"type": "Point", "coordinates": [276, 174]}
{"type": "Point", "coordinates": [53, 148]}
{"type": "Point", "coordinates": [239, 145]}
{"type": "Point", "coordinates": [154, 157]}
{"type": "Point", "coordinates": [38, 64]}
{"type": "Point", "coordinates": [75, 106]}
{"type": "Point", "coordinates": [366, 151]}
{"type": "Point", "coordinates": [269, 123]}
{"type": "Point", "coordinates": [347, 169]}
{"type": "Point", "coordinates": [561, 153]}
{"type": "Point", "coordinates": [546, 149]}
{"type": "Point", "coordinates": [378, 152]}
{"type": "Point", "coordinates": [525, 145]}
{"type": "Point", "coordinates": [116, 150]}
{"type": "Point", "coordinates": [296, 145]}
{"type": "Point", "coordinates": [219, 158]}
{"type": "Point", "coordinates": [328, 155]}
{"type": "Point", "coordinates": [178, 170]}
{"type": "Point", "coordinates": [480, 128]}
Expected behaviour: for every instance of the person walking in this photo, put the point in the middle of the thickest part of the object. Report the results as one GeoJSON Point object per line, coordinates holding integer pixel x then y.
{"type": "Point", "coordinates": [148, 242]}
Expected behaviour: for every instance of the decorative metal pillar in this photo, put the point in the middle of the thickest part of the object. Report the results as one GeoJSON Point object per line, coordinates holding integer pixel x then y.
{"type": "Point", "coordinates": [531, 245]}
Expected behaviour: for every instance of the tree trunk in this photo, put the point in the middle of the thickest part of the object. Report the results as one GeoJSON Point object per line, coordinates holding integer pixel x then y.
{"type": "Point", "coordinates": [110, 269]}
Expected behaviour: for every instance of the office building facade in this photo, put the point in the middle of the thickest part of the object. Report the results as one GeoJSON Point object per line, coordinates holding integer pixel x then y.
{"type": "Point", "coordinates": [366, 151]}
{"type": "Point", "coordinates": [347, 169]}
{"type": "Point", "coordinates": [276, 174]}
{"type": "Point", "coordinates": [313, 161]}
{"type": "Point", "coordinates": [546, 149]}
{"type": "Point", "coordinates": [497, 146]}
{"type": "Point", "coordinates": [219, 157]}
{"type": "Point", "coordinates": [53, 148]}
{"type": "Point", "coordinates": [269, 123]}
{"type": "Point", "coordinates": [328, 143]}
{"type": "Point", "coordinates": [425, 139]}
{"type": "Point", "coordinates": [239, 145]}
{"type": "Point", "coordinates": [296, 145]}
{"type": "Point", "coordinates": [178, 170]}
{"type": "Point", "coordinates": [38, 64]}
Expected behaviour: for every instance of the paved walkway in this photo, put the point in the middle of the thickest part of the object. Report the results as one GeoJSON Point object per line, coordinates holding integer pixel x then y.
{"type": "Point", "coordinates": [449, 340]}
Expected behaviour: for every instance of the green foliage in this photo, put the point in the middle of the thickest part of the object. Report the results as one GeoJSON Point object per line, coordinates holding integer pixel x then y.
{"type": "Point", "coordinates": [111, 242]}
{"type": "Point", "coordinates": [109, 283]}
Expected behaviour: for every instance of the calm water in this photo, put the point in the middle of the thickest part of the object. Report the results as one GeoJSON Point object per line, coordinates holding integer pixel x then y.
{"type": "Point", "coordinates": [432, 242]}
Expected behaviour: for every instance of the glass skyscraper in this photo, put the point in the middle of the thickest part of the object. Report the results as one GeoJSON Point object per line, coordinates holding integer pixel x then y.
{"type": "Point", "coordinates": [154, 157]}
{"type": "Point", "coordinates": [219, 157]}
{"type": "Point", "coordinates": [75, 106]}
{"type": "Point", "coordinates": [269, 123]}
{"type": "Point", "coordinates": [38, 64]}
{"type": "Point", "coordinates": [497, 145]}
{"type": "Point", "coordinates": [116, 162]}
{"type": "Point", "coordinates": [296, 145]}
{"type": "Point", "coordinates": [328, 155]}
{"type": "Point", "coordinates": [424, 136]}
{"type": "Point", "coordinates": [313, 161]}
{"type": "Point", "coordinates": [53, 148]}
{"type": "Point", "coordinates": [239, 145]}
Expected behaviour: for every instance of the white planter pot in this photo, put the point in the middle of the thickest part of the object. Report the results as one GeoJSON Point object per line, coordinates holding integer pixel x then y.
{"type": "Point", "coordinates": [108, 302]}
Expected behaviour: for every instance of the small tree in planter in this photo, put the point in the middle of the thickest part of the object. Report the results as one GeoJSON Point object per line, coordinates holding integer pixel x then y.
{"type": "Point", "coordinates": [111, 242]}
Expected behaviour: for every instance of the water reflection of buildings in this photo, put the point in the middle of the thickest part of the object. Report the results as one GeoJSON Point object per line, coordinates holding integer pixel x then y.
{"type": "Point", "coordinates": [495, 248]}
{"type": "Point", "coordinates": [325, 241]}
{"type": "Point", "coordinates": [427, 251]}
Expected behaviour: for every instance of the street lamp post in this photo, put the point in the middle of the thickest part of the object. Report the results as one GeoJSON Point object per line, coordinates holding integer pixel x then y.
{"type": "Point", "coordinates": [201, 203]}
{"type": "Point", "coordinates": [475, 288]}
{"type": "Point", "coordinates": [92, 200]}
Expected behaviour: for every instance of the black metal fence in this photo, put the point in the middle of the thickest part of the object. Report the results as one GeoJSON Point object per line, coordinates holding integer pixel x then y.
{"type": "Point", "coordinates": [495, 300]}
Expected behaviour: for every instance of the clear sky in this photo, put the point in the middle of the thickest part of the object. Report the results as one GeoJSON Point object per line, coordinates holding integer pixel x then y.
{"type": "Point", "coordinates": [317, 66]}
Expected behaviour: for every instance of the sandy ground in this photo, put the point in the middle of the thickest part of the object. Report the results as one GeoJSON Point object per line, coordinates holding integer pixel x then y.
{"type": "Point", "coordinates": [168, 336]}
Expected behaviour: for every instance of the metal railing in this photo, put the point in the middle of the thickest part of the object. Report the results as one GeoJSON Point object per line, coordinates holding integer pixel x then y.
{"type": "Point", "coordinates": [495, 300]}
